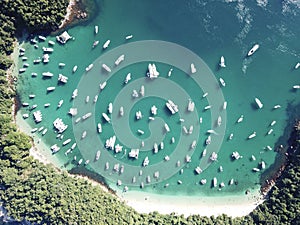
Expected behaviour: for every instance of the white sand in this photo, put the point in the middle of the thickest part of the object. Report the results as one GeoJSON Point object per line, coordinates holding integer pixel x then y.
{"type": "Point", "coordinates": [235, 206]}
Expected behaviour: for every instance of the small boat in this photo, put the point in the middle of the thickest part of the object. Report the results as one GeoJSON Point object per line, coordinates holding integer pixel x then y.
{"type": "Point", "coordinates": [31, 96]}
{"type": "Point", "coordinates": [119, 59]}
{"type": "Point", "coordinates": [252, 135]}
{"type": "Point", "coordinates": [258, 102]}
{"type": "Point", "coordinates": [253, 49]}
{"type": "Point", "coordinates": [74, 69]}
{"type": "Point", "coordinates": [87, 99]}
{"type": "Point", "coordinates": [75, 93]}
{"type": "Point", "coordinates": [41, 128]}
{"type": "Point", "coordinates": [204, 152]}
{"type": "Point", "coordinates": [73, 146]}
{"type": "Point", "coordinates": [89, 67]}
{"type": "Point", "coordinates": [222, 62]}
{"type": "Point", "coordinates": [95, 99]}
{"type": "Point", "coordinates": [97, 157]}
{"type": "Point", "coordinates": [255, 169]}
{"type": "Point", "coordinates": [240, 119]}
{"type": "Point", "coordinates": [60, 103]}
{"type": "Point", "coordinates": [83, 135]}
{"type": "Point", "coordinates": [121, 111]}
{"type": "Point", "coordinates": [46, 105]}
{"type": "Point", "coordinates": [42, 38]}
{"type": "Point", "coordinates": [215, 182]}
{"type": "Point", "coordinates": [102, 85]}
{"type": "Point", "coordinates": [105, 116]}
{"type": "Point", "coordinates": [208, 140]}
{"type": "Point", "coordinates": [47, 74]}
{"type": "Point", "coordinates": [297, 65]}
{"type": "Point", "coordinates": [230, 136]}
{"type": "Point", "coordinates": [146, 161]}
{"type": "Point", "coordinates": [22, 70]}
{"type": "Point", "coordinates": [48, 50]}
{"type": "Point", "coordinates": [24, 58]}
{"type": "Point", "coordinates": [204, 95]}
{"type": "Point", "coordinates": [95, 44]}
{"type": "Point", "coordinates": [51, 42]}
{"type": "Point", "coordinates": [46, 58]}
{"type": "Point", "coordinates": [87, 115]}
{"type": "Point", "coordinates": [170, 72]}
{"type": "Point", "coordinates": [37, 61]}
{"type": "Point", "coordinates": [273, 123]}
{"type": "Point", "coordinates": [222, 82]}
{"type": "Point", "coordinates": [99, 126]}
{"type": "Point", "coordinates": [193, 68]}
{"type": "Point", "coordinates": [207, 107]}
{"type": "Point", "coordinates": [106, 67]}
{"type": "Point", "coordinates": [219, 121]}
{"type": "Point", "coordinates": [55, 148]}
{"type": "Point", "coordinates": [96, 29]}
{"type": "Point", "coordinates": [110, 108]}
{"type": "Point", "coordinates": [33, 74]}
{"type": "Point", "coordinates": [66, 142]}
{"type": "Point", "coordinates": [224, 105]}
{"type": "Point", "coordinates": [270, 131]}
{"type": "Point", "coordinates": [129, 37]}
{"type": "Point", "coordinates": [128, 78]}
{"type": "Point", "coordinates": [214, 156]}
{"type": "Point", "coordinates": [44, 131]}
{"type": "Point", "coordinates": [277, 106]}
{"type": "Point", "coordinates": [61, 64]}
{"type": "Point", "coordinates": [106, 44]}
{"type": "Point", "coordinates": [50, 89]}
{"type": "Point", "coordinates": [25, 104]}
{"type": "Point", "coordinates": [34, 130]}
{"type": "Point", "coordinates": [80, 161]}
{"type": "Point", "coordinates": [296, 86]}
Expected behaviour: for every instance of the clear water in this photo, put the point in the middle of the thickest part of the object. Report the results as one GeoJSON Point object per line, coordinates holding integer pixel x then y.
{"type": "Point", "coordinates": [210, 29]}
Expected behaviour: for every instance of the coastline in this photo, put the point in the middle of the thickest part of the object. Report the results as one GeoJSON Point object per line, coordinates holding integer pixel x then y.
{"type": "Point", "coordinates": [234, 206]}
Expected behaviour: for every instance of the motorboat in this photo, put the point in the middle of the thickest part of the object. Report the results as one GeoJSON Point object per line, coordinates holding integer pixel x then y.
{"type": "Point", "coordinates": [89, 67]}
{"type": "Point", "coordinates": [258, 102]}
{"type": "Point", "coordinates": [222, 62]}
{"type": "Point", "coordinates": [252, 135]}
{"type": "Point", "coordinates": [106, 44]}
{"type": "Point", "coordinates": [74, 69]}
{"type": "Point", "coordinates": [253, 49]}
{"type": "Point", "coordinates": [193, 68]}
{"type": "Point", "coordinates": [96, 29]}
{"type": "Point", "coordinates": [222, 82]}
{"type": "Point", "coordinates": [129, 37]}
{"type": "Point", "coordinates": [119, 59]}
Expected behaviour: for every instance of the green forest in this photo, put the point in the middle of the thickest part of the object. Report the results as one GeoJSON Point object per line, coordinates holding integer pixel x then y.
{"type": "Point", "coordinates": [42, 194]}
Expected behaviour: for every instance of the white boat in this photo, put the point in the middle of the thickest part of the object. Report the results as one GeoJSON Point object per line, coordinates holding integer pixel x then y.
{"type": "Point", "coordinates": [34, 130]}
{"type": "Point", "coordinates": [106, 67]}
{"type": "Point", "coordinates": [47, 74]}
{"type": "Point", "coordinates": [119, 59]}
{"type": "Point", "coordinates": [215, 181]}
{"type": "Point", "coordinates": [172, 106]}
{"type": "Point", "coordinates": [277, 106]}
{"type": "Point", "coordinates": [37, 115]}
{"type": "Point", "coordinates": [191, 106]}
{"type": "Point", "coordinates": [25, 104]}
{"type": "Point", "coordinates": [230, 136]}
{"type": "Point", "coordinates": [297, 65]}
{"type": "Point", "coordinates": [31, 96]}
{"type": "Point", "coordinates": [219, 121]}
{"type": "Point", "coordinates": [89, 67]}
{"type": "Point", "coordinates": [95, 44]}
{"type": "Point", "coordinates": [61, 64]}
{"type": "Point", "coordinates": [207, 107]}
{"type": "Point", "coordinates": [87, 115]}
{"type": "Point", "coordinates": [51, 42]}
{"type": "Point", "coordinates": [63, 38]}
{"type": "Point", "coordinates": [66, 142]}
{"type": "Point", "coordinates": [60, 103]}
{"type": "Point", "coordinates": [87, 99]}
{"type": "Point", "coordinates": [97, 157]}
{"type": "Point", "coordinates": [128, 78]}
{"type": "Point", "coordinates": [208, 140]}
{"type": "Point", "coordinates": [95, 98]}
{"type": "Point", "coordinates": [296, 86]}
{"type": "Point", "coordinates": [273, 123]}
{"type": "Point", "coordinates": [193, 68]}
{"type": "Point", "coordinates": [167, 127]}
{"type": "Point", "coordinates": [258, 102]}
{"type": "Point", "coordinates": [224, 105]}
{"type": "Point", "coordinates": [121, 111]}
{"type": "Point", "coordinates": [96, 29]}
{"type": "Point", "coordinates": [22, 70]}
{"type": "Point", "coordinates": [46, 58]}
{"type": "Point", "coordinates": [83, 134]}
{"type": "Point", "coordinates": [59, 125]}
{"type": "Point", "coordinates": [129, 37]}
{"type": "Point", "coordinates": [154, 110]}
{"type": "Point", "coordinates": [252, 135]}
{"type": "Point", "coordinates": [55, 148]}
{"type": "Point", "coordinates": [33, 74]}
{"type": "Point", "coordinates": [240, 119]}
{"type": "Point", "coordinates": [253, 49]}
{"type": "Point", "coordinates": [214, 156]}
{"type": "Point", "coordinates": [110, 108]}
{"type": "Point", "coordinates": [75, 93]}
{"type": "Point", "coordinates": [105, 116]}
{"type": "Point", "coordinates": [42, 38]}
{"type": "Point", "coordinates": [170, 72]}
{"type": "Point", "coordinates": [204, 95]}
{"type": "Point", "coordinates": [74, 69]}
{"type": "Point", "coordinates": [222, 82]}
{"type": "Point", "coordinates": [152, 71]}
{"type": "Point", "coordinates": [102, 85]}
{"type": "Point", "coordinates": [50, 89]}
{"type": "Point", "coordinates": [146, 161]}
{"type": "Point", "coordinates": [48, 50]}
{"type": "Point", "coordinates": [44, 131]}
{"type": "Point", "coordinates": [46, 105]}
{"type": "Point", "coordinates": [204, 152]}
{"type": "Point", "coordinates": [222, 62]}
{"type": "Point", "coordinates": [63, 79]}
{"type": "Point", "coordinates": [99, 128]}
{"type": "Point", "coordinates": [270, 131]}
{"type": "Point", "coordinates": [106, 44]}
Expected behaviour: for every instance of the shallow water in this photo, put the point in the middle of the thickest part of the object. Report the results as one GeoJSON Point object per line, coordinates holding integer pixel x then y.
{"type": "Point", "coordinates": [210, 29]}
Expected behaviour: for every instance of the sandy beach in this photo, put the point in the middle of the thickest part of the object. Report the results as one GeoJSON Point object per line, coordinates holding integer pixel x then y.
{"type": "Point", "coordinates": [235, 206]}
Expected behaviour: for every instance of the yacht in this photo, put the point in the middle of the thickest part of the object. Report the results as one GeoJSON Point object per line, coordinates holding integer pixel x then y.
{"type": "Point", "coordinates": [219, 121]}
{"type": "Point", "coordinates": [87, 115]}
{"type": "Point", "coordinates": [96, 29]}
{"type": "Point", "coordinates": [42, 38]}
{"type": "Point", "coordinates": [25, 104]}
{"type": "Point", "coordinates": [61, 64]}
{"type": "Point", "coordinates": [222, 62]}
{"type": "Point", "coordinates": [146, 161]}
{"type": "Point", "coordinates": [253, 49]}
{"type": "Point", "coordinates": [97, 157]}
{"type": "Point", "coordinates": [73, 146]}
{"type": "Point", "coordinates": [105, 116]}
{"type": "Point", "coordinates": [48, 50]}
{"type": "Point", "coordinates": [34, 130]}
{"type": "Point", "coordinates": [270, 131]}
{"type": "Point", "coordinates": [60, 103]}
{"type": "Point", "coordinates": [240, 119]}
{"type": "Point", "coordinates": [297, 65]}
{"type": "Point", "coordinates": [46, 105]}
{"type": "Point", "coordinates": [63, 79]}
{"type": "Point", "coordinates": [46, 58]}
{"type": "Point", "coordinates": [120, 59]}
{"type": "Point", "coordinates": [153, 110]}
{"type": "Point", "coordinates": [37, 61]}
{"type": "Point", "coordinates": [47, 74]}
{"type": "Point", "coordinates": [74, 69]}
{"type": "Point", "coordinates": [106, 67]}
{"type": "Point", "coordinates": [51, 42]}
{"type": "Point", "coordinates": [208, 140]}
{"type": "Point", "coordinates": [273, 123]}
{"type": "Point", "coordinates": [106, 44]}
{"type": "Point", "coordinates": [22, 70]}
{"type": "Point", "coordinates": [89, 67]}
{"type": "Point", "coordinates": [129, 37]}
{"type": "Point", "coordinates": [204, 152]}
{"type": "Point", "coordinates": [75, 93]}
{"type": "Point", "coordinates": [55, 148]}
{"type": "Point", "coordinates": [172, 106]}
{"type": "Point", "coordinates": [193, 68]}
{"type": "Point", "coordinates": [258, 102]}
{"type": "Point", "coordinates": [128, 78]}
{"type": "Point", "coordinates": [66, 142]}
{"type": "Point", "coordinates": [95, 44]}
{"type": "Point", "coordinates": [296, 86]}
{"type": "Point", "coordinates": [31, 96]}
{"type": "Point", "coordinates": [252, 135]}
{"type": "Point", "coordinates": [50, 89]}
{"type": "Point", "coordinates": [191, 106]}
{"type": "Point", "coordinates": [214, 156]}
{"type": "Point", "coordinates": [44, 131]}
{"type": "Point", "coordinates": [99, 126]}
{"type": "Point", "coordinates": [222, 82]}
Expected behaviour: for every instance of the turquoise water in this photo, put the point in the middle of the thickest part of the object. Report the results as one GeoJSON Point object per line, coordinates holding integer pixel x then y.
{"type": "Point", "coordinates": [210, 29]}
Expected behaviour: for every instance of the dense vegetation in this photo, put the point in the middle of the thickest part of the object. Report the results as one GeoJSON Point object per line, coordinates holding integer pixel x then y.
{"type": "Point", "coordinates": [40, 194]}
